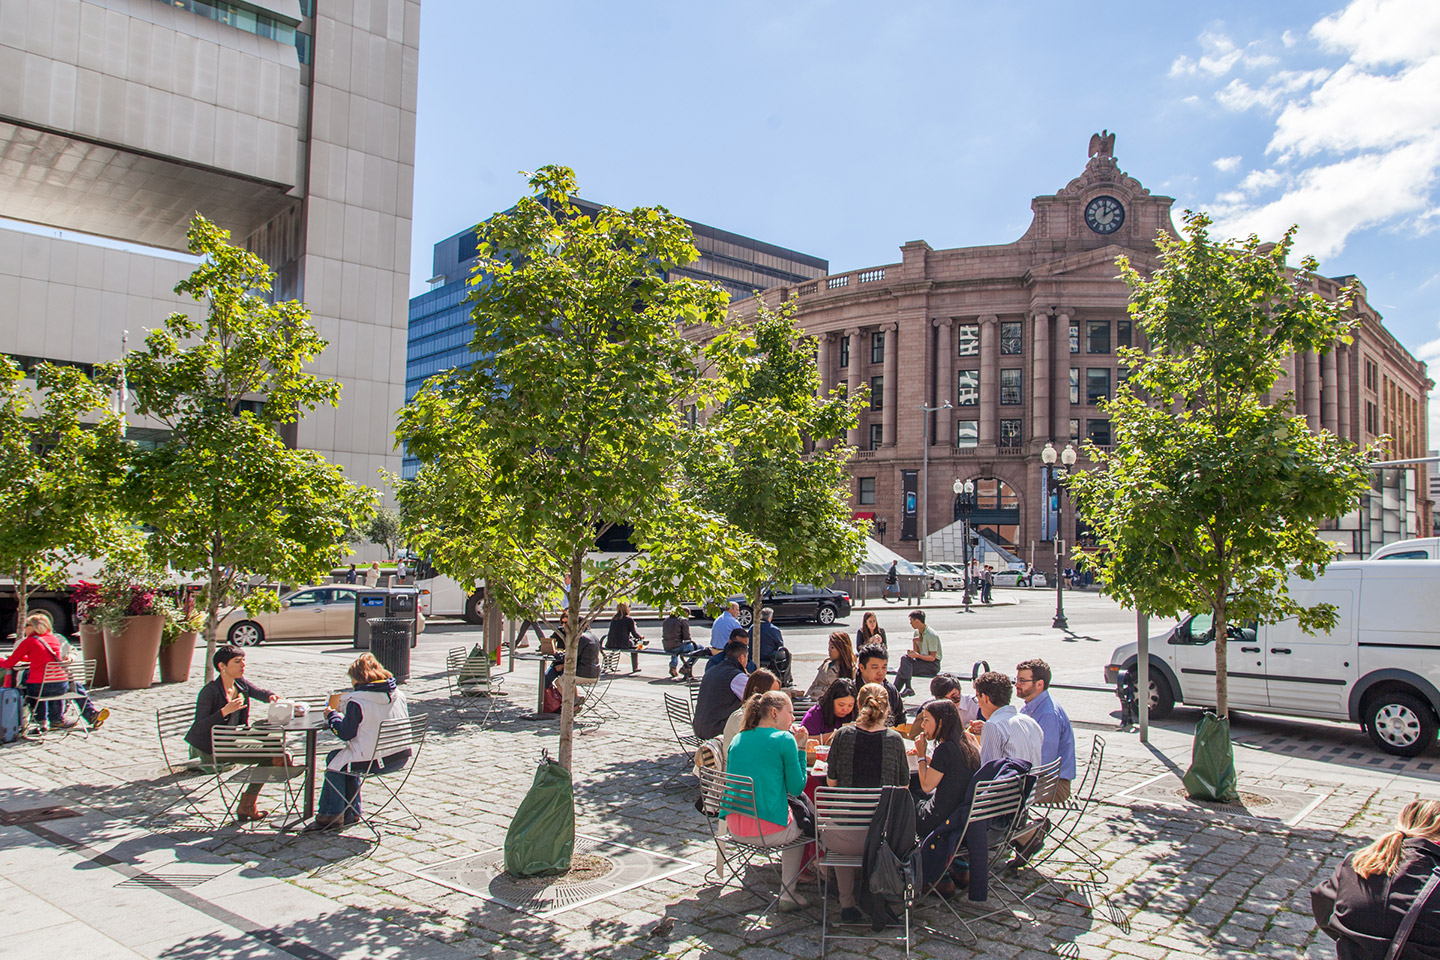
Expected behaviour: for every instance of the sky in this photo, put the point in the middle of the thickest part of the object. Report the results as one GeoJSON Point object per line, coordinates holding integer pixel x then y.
{"type": "Point", "coordinates": [845, 129]}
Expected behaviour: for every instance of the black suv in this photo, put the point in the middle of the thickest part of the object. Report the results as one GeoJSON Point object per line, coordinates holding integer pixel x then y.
{"type": "Point", "coordinates": [800, 601]}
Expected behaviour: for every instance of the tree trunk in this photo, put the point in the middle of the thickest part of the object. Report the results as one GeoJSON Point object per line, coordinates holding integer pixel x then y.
{"type": "Point", "coordinates": [755, 609]}
{"type": "Point", "coordinates": [572, 652]}
{"type": "Point", "coordinates": [1222, 675]}
{"type": "Point", "coordinates": [212, 619]}
{"type": "Point", "coordinates": [22, 601]}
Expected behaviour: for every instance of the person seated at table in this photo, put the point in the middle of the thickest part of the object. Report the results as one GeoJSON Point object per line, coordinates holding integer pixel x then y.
{"type": "Point", "coordinates": [943, 777]}
{"type": "Point", "coordinates": [355, 718]}
{"type": "Point", "coordinates": [722, 688]}
{"type": "Point", "coordinates": [946, 686]}
{"type": "Point", "coordinates": [832, 711]}
{"type": "Point", "coordinates": [225, 702]}
{"type": "Point", "coordinates": [865, 753]}
{"type": "Point", "coordinates": [625, 635]}
{"type": "Point", "coordinates": [769, 750]}
{"type": "Point", "coordinates": [587, 658]}
{"type": "Point", "coordinates": [39, 648]}
{"type": "Point", "coordinates": [870, 631]}
{"type": "Point", "coordinates": [873, 664]}
{"type": "Point", "coordinates": [839, 663]}
{"type": "Point", "coordinates": [761, 681]}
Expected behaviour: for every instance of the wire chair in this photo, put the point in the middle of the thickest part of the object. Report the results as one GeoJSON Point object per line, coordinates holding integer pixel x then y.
{"type": "Point", "coordinates": [597, 705]}
{"type": "Point", "coordinates": [70, 673]}
{"type": "Point", "coordinates": [473, 686]}
{"type": "Point", "coordinates": [1065, 850]}
{"type": "Point", "coordinates": [396, 735]}
{"type": "Point", "coordinates": [193, 778]}
{"type": "Point", "coordinates": [681, 717]}
{"type": "Point", "coordinates": [848, 809]}
{"type": "Point", "coordinates": [1003, 800]}
{"type": "Point", "coordinates": [260, 754]}
{"type": "Point", "coordinates": [723, 795]}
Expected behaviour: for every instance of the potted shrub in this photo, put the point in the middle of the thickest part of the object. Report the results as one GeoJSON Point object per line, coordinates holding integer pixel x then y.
{"type": "Point", "coordinates": [177, 640]}
{"type": "Point", "coordinates": [132, 616]}
{"type": "Point", "coordinates": [88, 598]}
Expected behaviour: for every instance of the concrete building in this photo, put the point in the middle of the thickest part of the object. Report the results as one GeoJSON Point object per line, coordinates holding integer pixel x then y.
{"type": "Point", "coordinates": [1020, 340]}
{"type": "Point", "coordinates": [289, 122]}
{"type": "Point", "coordinates": [440, 328]}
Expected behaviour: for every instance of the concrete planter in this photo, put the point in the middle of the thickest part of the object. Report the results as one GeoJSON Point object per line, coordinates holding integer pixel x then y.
{"type": "Point", "coordinates": [131, 652]}
{"type": "Point", "coordinates": [177, 656]}
{"type": "Point", "coordinates": [92, 647]}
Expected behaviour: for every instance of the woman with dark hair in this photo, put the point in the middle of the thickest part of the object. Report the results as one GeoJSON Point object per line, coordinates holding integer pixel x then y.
{"type": "Point", "coordinates": [944, 776]}
{"type": "Point", "coordinates": [624, 635]}
{"type": "Point", "coordinates": [761, 681]}
{"type": "Point", "coordinates": [225, 702]}
{"type": "Point", "coordinates": [839, 663]}
{"type": "Point", "coordinates": [870, 630]}
{"type": "Point", "coordinates": [834, 710]}
{"type": "Point", "coordinates": [1367, 902]}
{"type": "Point", "coordinates": [374, 699]}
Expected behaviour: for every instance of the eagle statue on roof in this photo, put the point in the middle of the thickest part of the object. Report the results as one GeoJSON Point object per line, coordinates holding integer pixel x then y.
{"type": "Point", "coordinates": [1102, 144]}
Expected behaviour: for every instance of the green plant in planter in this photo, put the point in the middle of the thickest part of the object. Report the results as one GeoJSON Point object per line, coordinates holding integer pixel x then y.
{"type": "Point", "coordinates": [184, 617]}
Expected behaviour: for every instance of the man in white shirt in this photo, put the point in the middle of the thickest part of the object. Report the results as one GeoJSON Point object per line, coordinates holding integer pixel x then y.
{"type": "Point", "coordinates": [1004, 731]}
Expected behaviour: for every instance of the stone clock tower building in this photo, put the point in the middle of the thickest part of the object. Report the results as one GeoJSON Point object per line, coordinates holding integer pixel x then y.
{"type": "Point", "coordinates": [1020, 340]}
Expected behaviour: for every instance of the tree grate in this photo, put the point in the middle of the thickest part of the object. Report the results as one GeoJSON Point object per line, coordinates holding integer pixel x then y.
{"type": "Point", "coordinates": [1269, 804]}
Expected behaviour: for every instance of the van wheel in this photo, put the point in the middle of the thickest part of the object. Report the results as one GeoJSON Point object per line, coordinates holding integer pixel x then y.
{"type": "Point", "coordinates": [474, 608]}
{"type": "Point", "coordinates": [1162, 699]}
{"type": "Point", "coordinates": [1400, 723]}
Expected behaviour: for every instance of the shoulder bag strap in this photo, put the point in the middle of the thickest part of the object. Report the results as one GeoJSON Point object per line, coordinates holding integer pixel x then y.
{"type": "Point", "coordinates": [1411, 916]}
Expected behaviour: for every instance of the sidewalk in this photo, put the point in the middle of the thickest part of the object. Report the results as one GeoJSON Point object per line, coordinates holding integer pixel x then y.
{"type": "Point", "coordinates": [1183, 883]}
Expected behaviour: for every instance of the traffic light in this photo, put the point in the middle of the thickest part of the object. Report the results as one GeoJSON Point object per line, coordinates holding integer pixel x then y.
{"type": "Point", "coordinates": [1127, 688]}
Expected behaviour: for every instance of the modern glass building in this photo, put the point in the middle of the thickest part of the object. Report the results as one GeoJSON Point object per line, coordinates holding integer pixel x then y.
{"type": "Point", "coordinates": [440, 330]}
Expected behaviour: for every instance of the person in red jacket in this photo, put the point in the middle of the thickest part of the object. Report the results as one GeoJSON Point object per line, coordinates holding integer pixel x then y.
{"type": "Point", "coordinates": [40, 648]}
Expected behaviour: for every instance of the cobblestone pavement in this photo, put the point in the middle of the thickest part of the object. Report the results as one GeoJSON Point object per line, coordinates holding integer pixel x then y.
{"type": "Point", "coordinates": [1181, 882]}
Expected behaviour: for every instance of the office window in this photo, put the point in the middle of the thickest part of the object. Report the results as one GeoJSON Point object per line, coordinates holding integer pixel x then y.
{"type": "Point", "coordinates": [1074, 338]}
{"type": "Point", "coordinates": [1010, 386]}
{"type": "Point", "coordinates": [1097, 336]}
{"type": "Point", "coordinates": [1372, 417]}
{"type": "Point", "coordinates": [867, 490]}
{"type": "Point", "coordinates": [877, 435]}
{"type": "Point", "coordinates": [877, 347]}
{"type": "Point", "coordinates": [967, 433]}
{"type": "Point", "coordinates": [1010, 342]}
{"type": "Point", "coordinates": [1098, 431]}
{"type": "Point", "coordinates": [1010, 433]}
{"type": "Point", "coordinates": [1123, 335]}
{"type": "Point", "coordinates": [844, 351]}
{"type": "Point", "coordinates": [1074, 429]}
{"type": "Point", "coordinates": [967, 389]}
{"type": "Point", "coordinates": [877, 393]}
{"type": "Point", "coordinates": [1097, 385]}
{"type": "Point", "coordinates": [1074, 384]}
{"type": "Point", "coordinates": [968, 336]}
{"type": "Point", "coordinates": [1372, 374]}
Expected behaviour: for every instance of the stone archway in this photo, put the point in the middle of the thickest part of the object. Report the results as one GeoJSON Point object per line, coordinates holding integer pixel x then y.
{"type": "Point", "coordinates": [997, 511]}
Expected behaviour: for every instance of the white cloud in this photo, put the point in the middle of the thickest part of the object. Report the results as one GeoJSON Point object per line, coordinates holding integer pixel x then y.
{"type": "Point", "coordinates": [1226, 164]}
{"type": "Point", "coordinates": [1355, 145]}
{"type": "Point", "coordinates": [1219, 55]}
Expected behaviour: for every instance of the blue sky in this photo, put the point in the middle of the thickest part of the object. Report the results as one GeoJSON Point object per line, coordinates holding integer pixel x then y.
{"type": "Point", "coordinates": [845, 129]}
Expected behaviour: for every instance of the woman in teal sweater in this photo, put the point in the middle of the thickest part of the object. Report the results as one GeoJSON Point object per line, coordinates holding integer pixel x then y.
{"type": "Point", "coordinates": [770, 750]}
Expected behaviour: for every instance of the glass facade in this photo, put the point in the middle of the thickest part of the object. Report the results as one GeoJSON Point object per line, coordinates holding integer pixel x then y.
{"type": "Point", "coordinates": [439, 340]}
{"type": "Point", "coordinates": [968, 336]}
{"type": "Point", "coordinates": [967, 433]}
{"type": "Point", "coordinates": [1010, 386]}
{"type": "Point", "coordinates": [1010, 337]}
{"type": "Point", "coordinates": [967, 391]}
{"type": "Point", "coordinates": [251, 21]}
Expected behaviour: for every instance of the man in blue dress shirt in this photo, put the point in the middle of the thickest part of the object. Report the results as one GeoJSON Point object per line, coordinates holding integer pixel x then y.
{"type": "Point", "coordinates": [1032, 684]}
{"type": "Point", "coordinates": [725, 624]}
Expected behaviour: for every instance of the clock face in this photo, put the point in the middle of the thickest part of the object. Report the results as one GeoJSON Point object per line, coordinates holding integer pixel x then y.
{"type": "Point", "coordinates": [1104, 215]}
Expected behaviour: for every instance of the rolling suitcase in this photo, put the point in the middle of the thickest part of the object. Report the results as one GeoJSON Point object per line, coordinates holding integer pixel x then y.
{"type": "Point", "coordinates": [9, 714]}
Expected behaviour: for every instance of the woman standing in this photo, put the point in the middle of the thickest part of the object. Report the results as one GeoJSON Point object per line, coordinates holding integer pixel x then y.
{"type": "Point", "coordinates": [839, 663]}
{"type": "Point", "coordinates": [834, 710]}
{"type": "Point", "coordinates": [862, 754]}
{"type": "Point", "coordinates": [1376, 889]}
{"type": "Point", "coordinates": [355, 717]}
{"type": "Point", "coordinates": [769, 750]}
{"type": "Point", "coordinates": [624, 635]}
{"type": "Point", "coordinates": [870, 631]}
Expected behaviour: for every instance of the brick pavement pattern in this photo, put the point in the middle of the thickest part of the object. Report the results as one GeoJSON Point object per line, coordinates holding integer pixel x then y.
{"type": "Point", "coordinates": [1182, 883]}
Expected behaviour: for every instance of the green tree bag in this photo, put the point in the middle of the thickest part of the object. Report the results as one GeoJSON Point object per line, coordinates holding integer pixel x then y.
{"type": "Point", "coordinates": [1212, 763]}
{"type": "Point", "coordinates": [541, 838]}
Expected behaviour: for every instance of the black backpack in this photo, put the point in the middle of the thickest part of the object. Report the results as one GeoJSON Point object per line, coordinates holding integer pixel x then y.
{"type": "Point", "coordinates": [892, 869]}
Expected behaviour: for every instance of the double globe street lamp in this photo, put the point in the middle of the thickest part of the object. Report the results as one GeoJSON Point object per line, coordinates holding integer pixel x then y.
{"type": "Point", "coordinates": [964, 504]}
{"type": "Point", "coordinates": [1054, 482]}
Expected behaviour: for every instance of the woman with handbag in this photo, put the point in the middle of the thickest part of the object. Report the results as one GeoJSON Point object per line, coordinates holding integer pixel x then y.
{"type": "Point", "coordinates": [1383, 903]}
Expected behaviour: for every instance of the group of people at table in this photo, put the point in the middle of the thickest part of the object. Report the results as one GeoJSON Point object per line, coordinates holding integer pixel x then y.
{"type": "Point", "coordinates": [747, 717]}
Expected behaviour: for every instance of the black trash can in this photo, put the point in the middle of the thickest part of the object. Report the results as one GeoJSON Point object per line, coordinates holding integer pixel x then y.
{"type": "Point", "coordinates": [390, 639]}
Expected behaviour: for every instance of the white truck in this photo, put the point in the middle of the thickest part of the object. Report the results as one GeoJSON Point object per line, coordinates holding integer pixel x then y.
{"type": "Point", "coordinates": [1378, 667]}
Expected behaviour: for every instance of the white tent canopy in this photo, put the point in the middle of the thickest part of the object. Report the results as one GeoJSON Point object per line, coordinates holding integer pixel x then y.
{"type": "Point", "coordinates": [878, 558]}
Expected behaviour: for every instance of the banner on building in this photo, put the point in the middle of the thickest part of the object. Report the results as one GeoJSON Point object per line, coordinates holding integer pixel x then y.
{"type": "Point", "coordinates": [909, 482]}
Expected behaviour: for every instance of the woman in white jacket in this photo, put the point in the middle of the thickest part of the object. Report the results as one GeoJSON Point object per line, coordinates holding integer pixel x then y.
{"type": "Point", "coordinates": [356, 719]}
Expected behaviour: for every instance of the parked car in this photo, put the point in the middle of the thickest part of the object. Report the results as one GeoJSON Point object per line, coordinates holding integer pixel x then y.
{"type": "Point", "coordinates": [800, 601]}
{"type": "Point", "coordinates": [1377, 667]}
{"type": "Point", "coordinates": [309, 613]}
{"type": "Point", "coordinates": [1011, 578]}
{"type": "Point", "coordinates": [945, 579]}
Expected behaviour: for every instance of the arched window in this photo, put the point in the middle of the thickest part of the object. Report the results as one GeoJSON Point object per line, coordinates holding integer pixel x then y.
{"type": "Point", "coordinates": [997, 511]}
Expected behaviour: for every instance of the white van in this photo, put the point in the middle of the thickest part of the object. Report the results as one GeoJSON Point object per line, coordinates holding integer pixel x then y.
{"type": "Point", "coordinates": [1378, 667]}
{"type": "Point", "coordinates": [1422, 548]}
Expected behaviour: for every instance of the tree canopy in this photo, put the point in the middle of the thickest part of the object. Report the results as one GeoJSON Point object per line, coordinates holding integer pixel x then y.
{"type": "Point", "coordinates": [224, 494]}
{"type": "Point", "coordinates": [1214, 492]}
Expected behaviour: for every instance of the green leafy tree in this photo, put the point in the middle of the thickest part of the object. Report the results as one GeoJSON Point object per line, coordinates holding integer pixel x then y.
{"type": "Point", "coordinates": [385, 531]}
{"type": "Point", "coordinates": [1214, 492]}
{"type": "Point", "coordinates": [571, 415]}
{"type": "Point", "coordinates": [225, 496]}
{"type": "Point", "coordinates": [762, 461]}
{"type": "Point", "coordinates": [63, 461]}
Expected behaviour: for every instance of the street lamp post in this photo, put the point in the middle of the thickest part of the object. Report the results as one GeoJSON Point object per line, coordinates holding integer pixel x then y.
{"type": "Point", "coordinates": [964, 503]}
{"type": "Point", "coordinates": [1057, 490]}
{"type": "Point", "coordinates": [925, 495]}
